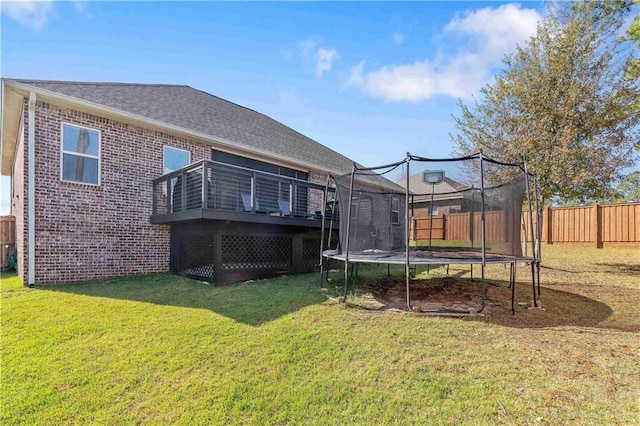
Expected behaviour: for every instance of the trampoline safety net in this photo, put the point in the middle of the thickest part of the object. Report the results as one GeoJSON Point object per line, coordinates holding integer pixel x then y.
{"type": "Point", "coordinates": [378, 216]}
{"type": "Point", "coordinates": [378, 212]}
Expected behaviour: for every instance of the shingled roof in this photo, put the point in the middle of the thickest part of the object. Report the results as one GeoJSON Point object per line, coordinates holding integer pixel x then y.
{"type": "Point", "coordinates": [441, 191]}
{"type": "Point", "coordinates": [198, 111]}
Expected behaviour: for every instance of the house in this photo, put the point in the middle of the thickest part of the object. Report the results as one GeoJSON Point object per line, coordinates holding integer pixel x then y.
{"type": "Point", "coordinates": [449, 196]}
{"type": "Point", "coordinates": [112, 179]}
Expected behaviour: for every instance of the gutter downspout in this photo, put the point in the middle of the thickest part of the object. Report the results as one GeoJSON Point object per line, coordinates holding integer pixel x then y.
{"type": "Point", "coordinates": [31, 191]}
{"type": "Point", "coordinates": [2, 141]}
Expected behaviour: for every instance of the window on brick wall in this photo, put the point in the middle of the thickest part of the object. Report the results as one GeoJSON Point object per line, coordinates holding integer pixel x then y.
{"type": "Point", "coordinates": [80, 156]}
{"type": "Point", "coordinates": [175, 159]}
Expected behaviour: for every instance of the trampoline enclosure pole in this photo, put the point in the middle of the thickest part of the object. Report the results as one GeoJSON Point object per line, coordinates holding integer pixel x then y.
{"type": "Point", "coordinates": [346, 253]}
{"type": "Point", "coordinates": [533, 244]}
{"type": "Point", "coordinates": [512, 282]}
{"type": "Point", "coordinates": [406, 228]}
{"type": "Point", "coordinates": [539, 228]}
{"type": "Point", "coordinates": [324, 202]}
{"type": "Point", "coordinates": [483, 230]}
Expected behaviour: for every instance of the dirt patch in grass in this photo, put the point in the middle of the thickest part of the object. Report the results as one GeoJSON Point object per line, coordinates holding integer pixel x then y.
{"type": "Point", "coordinates": [580, 287]}
{"type": "Point", "coordinates": [445, 293]}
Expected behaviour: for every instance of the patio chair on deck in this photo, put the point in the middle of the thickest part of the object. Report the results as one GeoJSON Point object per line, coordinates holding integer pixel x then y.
{"type": "Point", "coordinates": [285, 208]}
{"type": "Point", "coordinates": [246, 202]}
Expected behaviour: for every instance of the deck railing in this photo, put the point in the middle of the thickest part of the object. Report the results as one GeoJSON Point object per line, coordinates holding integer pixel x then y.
{"type": "Point", "coordinates": [218, 186]}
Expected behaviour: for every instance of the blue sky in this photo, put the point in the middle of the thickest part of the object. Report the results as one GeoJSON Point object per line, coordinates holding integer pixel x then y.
{"type": "Point", "coordinates": [370, 80]}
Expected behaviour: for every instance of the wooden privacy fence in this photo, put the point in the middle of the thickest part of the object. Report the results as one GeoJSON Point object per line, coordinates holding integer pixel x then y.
{"type": "Point", "coordinates": [7, 238]}
{"type": "Point", "coordinates": [466, 226]}
{"type": "Point", "coordinates": [420, 228]}
{"type": "Point", "coordinates": [614, 225]}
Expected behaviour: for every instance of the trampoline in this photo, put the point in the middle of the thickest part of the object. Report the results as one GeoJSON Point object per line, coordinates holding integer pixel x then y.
{"type": "Point", "coordinates": [378, 220]}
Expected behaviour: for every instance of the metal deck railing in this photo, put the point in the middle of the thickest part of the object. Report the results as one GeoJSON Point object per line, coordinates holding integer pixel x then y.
{"type": "Point", "coordinates": [218, 186]}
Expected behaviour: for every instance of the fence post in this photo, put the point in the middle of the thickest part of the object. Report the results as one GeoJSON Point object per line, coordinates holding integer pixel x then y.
{"type": "Point", "coordinates": [444, 226]}
{"type": "Point", "coordinates": [596, 225]}
{"type": "Point", "coordinates": [414, 228]}
{"type": "Point", "coordinates": [547, 229]}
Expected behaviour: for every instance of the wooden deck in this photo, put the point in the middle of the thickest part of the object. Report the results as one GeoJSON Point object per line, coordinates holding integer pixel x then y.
{"type": "Point", "coordinates": [230, 223]}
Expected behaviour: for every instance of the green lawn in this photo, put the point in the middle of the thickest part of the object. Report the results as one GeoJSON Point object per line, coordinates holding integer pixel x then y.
{"type": "Point", "coordinates": [163, 349]}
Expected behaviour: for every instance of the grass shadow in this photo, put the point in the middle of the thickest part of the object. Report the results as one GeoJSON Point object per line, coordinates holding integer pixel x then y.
{"type": "Point", "coordinates": [622, 268]}
{"type": "Point", "coordinates": [252, 303]}
{"type": "Point", "coordinates": [556, 308]}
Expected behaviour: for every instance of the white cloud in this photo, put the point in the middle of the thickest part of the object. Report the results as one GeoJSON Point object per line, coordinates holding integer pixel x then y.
{"type": "Point", "coordinates": [307, 47]}
{"type": "Point", "coordinates": [398, 38]}
{"type": "Point", "coordinates": [324, 60]}
{"type": "Point", "coordinates": [31, 13]}
{"type": "Point", "coordinates": [82, 8]}
{"type": "Point", "coordinates": [321, 58]}
{"type": "Point", "coordinates": [496, 31]}
{"type": "Point", "coordinates": [489, 33]}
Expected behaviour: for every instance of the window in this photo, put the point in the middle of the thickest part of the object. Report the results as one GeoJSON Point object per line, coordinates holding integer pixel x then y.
{"type": "Point", "coordinates": [395, 211]}
{"type": "Point", "coordinates": [80, 154]}
{"type": "Point", "coordinates": [175, 159]}
{"type": "Point", "coordinates": [236, 160]}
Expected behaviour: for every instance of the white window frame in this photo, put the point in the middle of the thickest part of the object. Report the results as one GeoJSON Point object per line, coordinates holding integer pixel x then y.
{"type": "Point", "coordinates": [78, 154]}
{"type": "Point", "coordinates": [164, 156]}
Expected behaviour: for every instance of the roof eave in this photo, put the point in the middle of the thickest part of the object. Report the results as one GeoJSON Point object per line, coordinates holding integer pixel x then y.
{"type": "Point", "coordinates": [120, 115]}
{"type": "Point", "coordinates": [12, 105]}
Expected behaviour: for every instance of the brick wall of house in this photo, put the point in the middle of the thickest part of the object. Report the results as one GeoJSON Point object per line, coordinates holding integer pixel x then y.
{"type": "Point", "coordinates": [86, 232]}
{"type": "Point", "coordinates": [19, 195]}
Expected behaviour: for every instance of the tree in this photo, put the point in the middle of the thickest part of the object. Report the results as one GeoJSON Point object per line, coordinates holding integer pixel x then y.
{"type": "Point", "coordinates": [633, 34]}
{"type": "Point", "coordinates": [563, 102]}
{"type": "Point", "coordinates": [628, 189]}
{"type": "Point", "coordinates": [625, 190]}
{"type": "Point", "coordinates": [633, 66]}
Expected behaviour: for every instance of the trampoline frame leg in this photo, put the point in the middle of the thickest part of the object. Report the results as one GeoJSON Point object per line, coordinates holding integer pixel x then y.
{"type": "Point", "coordinates": [512, 284]}
{"type": "Point", "coordinates": [346, 280]}
{"type": "Point", "coordinates": [533, 283]}
{"type": "Point", "coordinates": [538, 273]}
